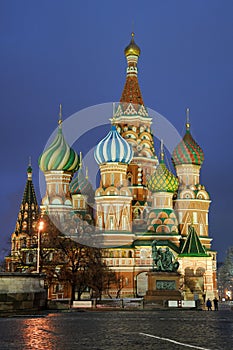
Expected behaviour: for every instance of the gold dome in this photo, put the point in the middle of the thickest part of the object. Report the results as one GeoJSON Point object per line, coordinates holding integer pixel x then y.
{"type": "Point", "coordinates": [132, 48]}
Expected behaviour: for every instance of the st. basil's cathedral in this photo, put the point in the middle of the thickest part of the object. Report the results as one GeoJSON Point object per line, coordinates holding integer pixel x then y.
{"type": "Point", "coordinates": [138, 201]}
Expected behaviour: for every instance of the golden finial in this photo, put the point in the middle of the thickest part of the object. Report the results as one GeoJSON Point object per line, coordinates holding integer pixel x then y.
{"type": "Point", "coordinates": [87, 173]}
{"type": "Point", "coordinates": [60, 114]}
{"type": "Point", "coordinates": [80, 160]}
{"type": "Point", "coordinates": [132, 48]}
{"type": "Point", "coordinates": [187, 119]}
{"type": "Point", "coordinates": [162, 151]}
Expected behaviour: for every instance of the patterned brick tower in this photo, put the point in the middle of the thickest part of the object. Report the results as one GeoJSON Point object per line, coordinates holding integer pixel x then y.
{"type": "Point", "coordinates": [162, 221]}
{"type": "Point", "coordinates": [113, 197]}
{"type": "Point", "coordinates": [192, 201]}
{"type": "Point", "coordinates": [197, 260]}
{"type": "Point", "coordinates": [134, 124]}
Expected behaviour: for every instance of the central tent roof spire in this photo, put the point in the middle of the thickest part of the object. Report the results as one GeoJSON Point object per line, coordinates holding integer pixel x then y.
{"type": "Point", "coordinates": [131, 92]}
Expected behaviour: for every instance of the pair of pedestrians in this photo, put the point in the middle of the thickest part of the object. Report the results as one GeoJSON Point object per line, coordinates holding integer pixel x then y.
{"type": "Point", "coordinates": [209, 304]}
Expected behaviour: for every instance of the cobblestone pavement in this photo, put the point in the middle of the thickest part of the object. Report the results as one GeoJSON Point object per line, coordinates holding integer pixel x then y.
{"type": "Point", "coordinates": [106, 330]}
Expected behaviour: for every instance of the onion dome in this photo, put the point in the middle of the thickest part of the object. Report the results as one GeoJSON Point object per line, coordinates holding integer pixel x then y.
{"type": "Point", "coordinates": [80, 184]}
{"type": "Point", "coordinates": [59, 155]}
{"type": "Point", "coordinates": [188, 151]}
{"type": "Point", "coordinates": [113, 148]}
{"type": "Point", "coordinates": [162, 180]}
{"type": "Point", "coordinates": [132, 48]}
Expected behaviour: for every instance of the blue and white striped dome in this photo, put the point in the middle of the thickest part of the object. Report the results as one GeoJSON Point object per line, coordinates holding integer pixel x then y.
{"type": "Point", "coordinates": [113, 148]}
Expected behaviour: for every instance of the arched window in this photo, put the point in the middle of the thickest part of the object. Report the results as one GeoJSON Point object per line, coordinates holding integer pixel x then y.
{"type": "Point", "coordinates": [136, 213]}
{"type": "Point", "coordinates": [129, 178]}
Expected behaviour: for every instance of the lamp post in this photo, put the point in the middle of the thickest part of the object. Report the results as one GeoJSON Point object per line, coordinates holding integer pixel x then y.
{"type": "Point", "coordinates": [40, 228]}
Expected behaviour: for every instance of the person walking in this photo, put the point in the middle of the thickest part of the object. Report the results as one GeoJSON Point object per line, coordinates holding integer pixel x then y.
{"type": "Point", "coordinates": [209, 304]}
{"type": "Point", "coordinates": [215, 304]}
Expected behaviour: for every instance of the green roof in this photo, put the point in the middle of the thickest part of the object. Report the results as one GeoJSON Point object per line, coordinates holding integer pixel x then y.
{"type": "Point", "coordinates": [147, 242]}
{"type": "Point", "coordinates": [193, 245]}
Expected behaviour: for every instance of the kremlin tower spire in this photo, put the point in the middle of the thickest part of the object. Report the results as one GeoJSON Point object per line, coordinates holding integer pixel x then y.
{"type": "Point", "coordinates": [26, 224]}
{"type": "Point", "coordinates": [29, 210]}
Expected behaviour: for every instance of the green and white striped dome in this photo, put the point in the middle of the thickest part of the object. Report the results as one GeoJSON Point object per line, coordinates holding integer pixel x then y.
{"type": "Point", "coordinates": [59, 155]}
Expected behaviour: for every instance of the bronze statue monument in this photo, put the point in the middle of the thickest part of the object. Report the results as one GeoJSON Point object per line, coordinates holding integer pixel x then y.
{"type": "Point", "coordinates": [163, 279]}
{"type": "Point", "coordinates": [163, 260]}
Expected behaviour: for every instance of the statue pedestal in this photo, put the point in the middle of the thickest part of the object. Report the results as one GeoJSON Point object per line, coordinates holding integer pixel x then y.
{"type": "Point", "coordinates": [163, 286]}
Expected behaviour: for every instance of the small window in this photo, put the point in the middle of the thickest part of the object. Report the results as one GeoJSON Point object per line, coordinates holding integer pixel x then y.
{"type": "Point", "coordinates": [111, 223]}
{"type": "Point", "coordinates": [112, 178]}
{"type": "Point", "coordinates": [195, 218]}
{"type": "Point", "coordinates": [124, 222]}
{"type": "Point", "coordinates": [201, 229]}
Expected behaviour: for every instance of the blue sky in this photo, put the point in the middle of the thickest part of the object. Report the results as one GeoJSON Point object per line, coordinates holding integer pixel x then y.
{"type": "Point", "coordinates": [72, 52]}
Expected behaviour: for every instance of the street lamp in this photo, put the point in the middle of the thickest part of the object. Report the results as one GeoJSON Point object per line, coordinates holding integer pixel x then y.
{"type": "Point", "coordinates": [40, 228]}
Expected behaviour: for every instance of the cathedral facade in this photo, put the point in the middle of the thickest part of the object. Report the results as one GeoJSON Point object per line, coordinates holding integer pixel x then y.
{"type": "Point", "coordinates": [138, 200]}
